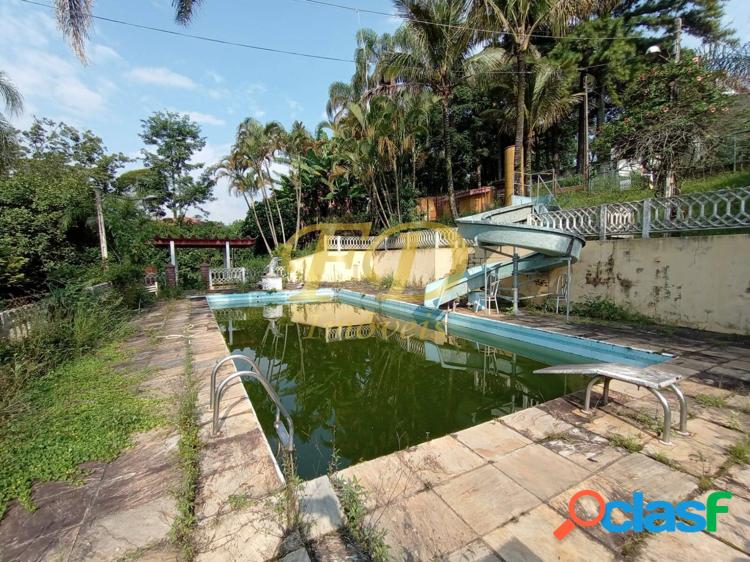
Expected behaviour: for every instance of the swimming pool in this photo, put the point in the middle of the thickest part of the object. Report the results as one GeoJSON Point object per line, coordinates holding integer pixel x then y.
{"type": "Point", "coordinates": [363, 377]}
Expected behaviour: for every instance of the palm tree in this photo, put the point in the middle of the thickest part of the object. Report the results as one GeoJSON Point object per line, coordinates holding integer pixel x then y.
{"type": "Point", "coordinates": [13, 103]}
{"type": "Point", "coordinates": [519, 22]}
{"type": "Point", "coordinates": [253, 144]}
{"type": "Point", "coordinates": [74, 19]}
{"type": "Point", "coordinates": [434, 50]}
{"type": "Point", "coordinates": [242, 180]}
{"type": "Point", "coordinates": [297, 143]}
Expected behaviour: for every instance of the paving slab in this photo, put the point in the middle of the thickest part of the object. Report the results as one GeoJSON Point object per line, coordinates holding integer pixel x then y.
{"type": "Point", "coordinates": [492, 440]}
{"type": "Point", "coordinates": [691, 455]}
{"type": "Point", "coordinates": [440, 459]}
{"type": "Point", "coordinates": [320, 507]}
{"type": "Point", "coordinates": [476, 551]}
{"type": "Point", "coordinates": [385, 479]}
{"type": "Point", "coordinates": [529, 539]}
{"type": "Point", "coordinates": [541, 471]}
{"type": "Point", "coordinates": [586, 449]}
{"type": "Point", "coordinates": [736, 480]}
{"type": "Point", "coordinates": [486, 498]}
{"type": "Point", "coordinates": [422, 527]}
{"type": "Point", "coordinates": [713, 434]}
{"type": "Point", "coordinates": [235, 466]}
{"type": "Point", "coordinates": [254, 534]}
{"type": "Point", "coordinates": [733, 528]}
{"type": "Point", "coordinates": [637, 472]}
{"type": "Point", "coordinates": [587, 508]}
{"type": "Point", "coordinates": [607, 425]}
{"type": "Point", "coordinates": [687, 547]}
{"type": "Point", "coordinates": [536, 424]}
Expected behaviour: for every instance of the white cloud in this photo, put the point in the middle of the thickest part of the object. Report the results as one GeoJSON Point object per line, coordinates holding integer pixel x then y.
{"type": "Point", "coordinates": [294, 107]}
{"type": "Point", "coordinates": [215, 76]}
{"type": "Point", "coordinates": [102, 54]}
{"type": "Point", "coordinates": [161, 76]}
{"type": "Point", "coordinates": [31, 29]}
{"type": "Point", "coordinates": [204, 118]}
{"type": "Point", "coordinates": [43, 76]}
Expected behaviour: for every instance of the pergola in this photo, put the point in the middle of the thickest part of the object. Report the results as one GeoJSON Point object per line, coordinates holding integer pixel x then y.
{"type": "Point", "coordinates": [220, 243]}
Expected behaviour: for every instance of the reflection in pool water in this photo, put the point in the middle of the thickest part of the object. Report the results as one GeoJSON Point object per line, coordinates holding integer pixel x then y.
{"type": "Point", "coordinates": [369, 384]}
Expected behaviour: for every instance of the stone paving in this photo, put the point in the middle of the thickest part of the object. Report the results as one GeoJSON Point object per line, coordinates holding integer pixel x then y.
{"type": "Point", "coordinates": [498, 490]}
{"type": "Point", "coordinates": [125, 506]}
{"type": "Point", "coordinates": [492, 492]}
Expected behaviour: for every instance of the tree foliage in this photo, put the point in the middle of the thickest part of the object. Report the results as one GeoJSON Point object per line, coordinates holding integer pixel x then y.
{"type": "Point", "coordinates": [175, 140]}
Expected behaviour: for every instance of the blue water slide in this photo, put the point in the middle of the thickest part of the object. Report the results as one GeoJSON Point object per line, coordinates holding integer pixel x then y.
{"type": "Point", "coordinates": [505, 227]}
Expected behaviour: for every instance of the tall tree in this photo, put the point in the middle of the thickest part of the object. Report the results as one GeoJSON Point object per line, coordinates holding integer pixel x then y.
{"type": "Point", "coordinates": [176, 138]}
{"type": "Point", "coordinates": [520, 22]}
{"type": "Point", "coordinates": [663, 131]}
{"type": "Point", "coordinates": [435, 50]}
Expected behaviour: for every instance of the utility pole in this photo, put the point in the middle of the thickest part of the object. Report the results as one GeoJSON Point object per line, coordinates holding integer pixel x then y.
{"type": "Point", "coordinates": [677, 38]}
{"type": "Point", "coordinates": [585, 163]}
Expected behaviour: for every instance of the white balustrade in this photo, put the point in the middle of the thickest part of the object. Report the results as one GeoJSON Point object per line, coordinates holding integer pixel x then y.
{"type": "Point", "coordinates": [722, 209]}
{"type": "Point", "coordinates": [226, 277]}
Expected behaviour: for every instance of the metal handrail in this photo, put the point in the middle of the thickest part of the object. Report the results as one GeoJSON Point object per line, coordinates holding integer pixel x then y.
{"type": "Point", "coordinates": [220, 362]}
{"type": "Point", "coordinates": [285, 436]}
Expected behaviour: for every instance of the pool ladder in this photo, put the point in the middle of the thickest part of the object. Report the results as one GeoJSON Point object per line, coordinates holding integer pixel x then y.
{"type": "Point", "coordinates": [284, 432]}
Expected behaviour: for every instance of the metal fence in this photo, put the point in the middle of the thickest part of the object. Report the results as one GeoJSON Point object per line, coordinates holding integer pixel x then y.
{"type": "Point", "coordinates": [15, 323]}
{"type": "Point", "coordinates": [444, 238]}
{"type": "Point", "coordinates": [722, 209]}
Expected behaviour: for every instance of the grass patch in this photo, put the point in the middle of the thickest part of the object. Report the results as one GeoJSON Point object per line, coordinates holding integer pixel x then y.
{"type": "Point", "coordinates": [633, 545]}
{"type": "Point", "coordinates": [81, 411]}
{"type": "Point", "coordinates": [705, 483]}
{"type": "Point", "coordinates": [709, 400]}
{"type": "Point", "coordinates": [630, 444]}
{"type": "Point", "coordinates": [664, 459]}
{"type": "Point", "coordinates": [740, 451]}
{"type": "Point", "coordinates": [239, 501]}
{"type": "Point", "coordinates": [188, 450]}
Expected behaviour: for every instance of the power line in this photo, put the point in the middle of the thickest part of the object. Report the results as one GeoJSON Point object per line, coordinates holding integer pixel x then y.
{"type": "Point", "coordinates": [459, 26]}
{"type": "Point", "coordinates": [258, 47]}
{"type": "Point", "coordinates": [203, 38]}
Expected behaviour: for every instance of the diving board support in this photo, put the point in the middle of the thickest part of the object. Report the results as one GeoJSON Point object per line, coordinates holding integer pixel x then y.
{"type": "Point", "coordinates": [654, 378]}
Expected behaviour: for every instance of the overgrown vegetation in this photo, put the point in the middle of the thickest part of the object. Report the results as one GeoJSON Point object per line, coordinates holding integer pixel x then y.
{"type": "Point", "coordinates": [365, 535]}
{"type": "Point", "coordinates": [710, 400]}
{"type": "Point", "coordinates": [740, 451]}
{"type": "Point", "coordinates": [627, 442]}
{"type": "Point", "coordinates": [67, 324]}
{"type": "Point", "coordinates": [188, 449]}
{"type": "Point", "coordinates": [611, 192]}
{"type": "Point", "coordinates": [74, 413]}
{"type": "Point", "coordinates": [604, 309]}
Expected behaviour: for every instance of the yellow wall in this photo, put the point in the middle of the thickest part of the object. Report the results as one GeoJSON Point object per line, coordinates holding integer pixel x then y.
{"type": "Point", "coordinates": [700, 282]}
{"type": "Point", "coordinates": [356, 265]}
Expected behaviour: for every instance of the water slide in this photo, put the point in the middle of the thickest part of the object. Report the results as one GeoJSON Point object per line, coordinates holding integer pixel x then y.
{"type": "Point", "coordinates": [505, 227]}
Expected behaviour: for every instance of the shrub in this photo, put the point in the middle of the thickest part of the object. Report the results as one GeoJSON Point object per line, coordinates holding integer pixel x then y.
{"type": "Point", "coordinates": [603, 309]}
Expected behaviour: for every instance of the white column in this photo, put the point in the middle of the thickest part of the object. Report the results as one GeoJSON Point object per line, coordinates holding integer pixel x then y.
{"type": "Point", "coordinates": [173, 258]}
{"type": "Point", "coordinates": [227, 256]}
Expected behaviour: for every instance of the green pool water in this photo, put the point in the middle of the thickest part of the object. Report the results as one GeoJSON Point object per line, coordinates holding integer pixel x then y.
{"type": "Point", "coordinates": [368, 385]}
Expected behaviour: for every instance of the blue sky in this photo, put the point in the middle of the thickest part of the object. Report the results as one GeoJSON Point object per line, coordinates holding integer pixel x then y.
{"type": "Point", "coordinates": [133, 73]}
